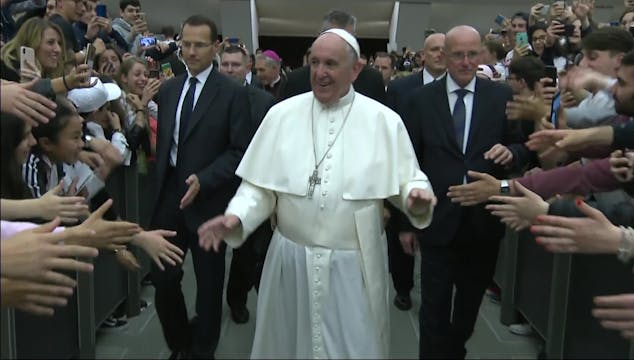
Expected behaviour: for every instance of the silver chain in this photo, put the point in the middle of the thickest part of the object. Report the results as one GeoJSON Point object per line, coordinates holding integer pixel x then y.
{"type": "Point", "coordinates": [312, 128]}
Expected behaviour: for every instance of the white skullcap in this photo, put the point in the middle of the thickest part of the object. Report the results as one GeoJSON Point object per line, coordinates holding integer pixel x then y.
{"type": "Point", "coordinates": [347, 37]}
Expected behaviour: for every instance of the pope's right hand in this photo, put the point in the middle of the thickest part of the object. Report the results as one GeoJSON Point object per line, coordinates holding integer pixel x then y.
{"type": "Point", "coordinates": [212, 232]}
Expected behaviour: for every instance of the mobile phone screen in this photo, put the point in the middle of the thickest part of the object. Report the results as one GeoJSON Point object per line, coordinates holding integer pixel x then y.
{"type": "Point", "coordinates": [499, 20]}
{"type": "Point", "coordinates": [89, 55]}
{"type": "Point", "coordinates": [521, 39]}
{"type": "Point", "coordinates": [101, 10]}
{"type": "Point", "coordinates": [551, 72]}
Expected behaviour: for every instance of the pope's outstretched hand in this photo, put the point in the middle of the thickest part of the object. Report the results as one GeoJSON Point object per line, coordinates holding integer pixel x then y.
{"type": "Point", "coordinates": [419, 199]}
{"type": "Point", "coordinates": [212, 232]}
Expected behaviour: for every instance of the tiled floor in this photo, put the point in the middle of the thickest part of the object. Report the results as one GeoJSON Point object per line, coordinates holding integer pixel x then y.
{"type": "Point", "coordinates": [142, 339]}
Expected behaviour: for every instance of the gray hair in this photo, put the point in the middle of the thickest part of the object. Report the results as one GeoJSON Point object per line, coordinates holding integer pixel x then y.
{"type": "Point", "coordinates": [338, 19]}
{"type": "Point", "coordinates": [268, 61]}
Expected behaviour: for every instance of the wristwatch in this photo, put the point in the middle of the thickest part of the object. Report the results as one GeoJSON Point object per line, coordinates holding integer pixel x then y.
{"type": "Point", "coordinates": [504, 187]}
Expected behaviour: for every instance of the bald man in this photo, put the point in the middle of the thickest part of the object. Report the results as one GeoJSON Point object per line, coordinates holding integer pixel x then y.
{"type": "Point", "coordinates": [401, 256]}
{"type": "Point", "coordinates": [322, 163]}
{"type": "Point", "coordinates": [459, 130]}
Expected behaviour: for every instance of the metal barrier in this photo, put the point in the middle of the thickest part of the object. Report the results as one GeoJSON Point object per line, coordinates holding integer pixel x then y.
{"type": "Point", "coordinates": [71, 332]}
{"type": "Point", "coordinates": [554, 293]}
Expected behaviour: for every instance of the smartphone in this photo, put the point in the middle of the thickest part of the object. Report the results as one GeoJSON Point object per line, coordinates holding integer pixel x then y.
{"type": "Point", "coordinates": [521, 39]}
{"type": "Point", "coordinates": [544, 11]}
{"type": "Point", "coordinates": [554, 110]}
{"type": "Point", "coordinates": [569, 30]}
{"type": "Point", "coordinates": [551, 72]}
{"type": "Point", "coordinates": [148, 41]}
{"type": "Point", "coordinates": [89, 55]}
{"type": "Point", "coordinates": [27, 55]}
{"type": "Point", "coordinates": [632, 30]}
{"type": "Point", "coordinates": [499, 20]}
{"type": "Point", "coordinates": [101, 10]}
{"type": "Point", "coordinates": [167, 70]}
{"type": "Point", "coordinates": [141, 16]}
{"type": "Point", "coordinates": [234, 40]}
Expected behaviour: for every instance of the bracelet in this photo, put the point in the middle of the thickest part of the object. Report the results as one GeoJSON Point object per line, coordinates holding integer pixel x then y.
{"type": "Point", "coordinates": [625, 250]}
{"type": "Point", "coordinates": [65, 83]}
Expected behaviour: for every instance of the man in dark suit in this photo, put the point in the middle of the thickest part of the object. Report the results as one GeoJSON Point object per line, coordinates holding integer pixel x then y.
{"type": "Point", "coordinates": [401, 256]}
{"type": "Point", "coordinates": [369, 82]}
{"type": "Point", "coordinates": [203, 131]}
{"type": "Point", "coordinates": [458, 125]}
{"type": "Point", "coordinates": [248, 259]}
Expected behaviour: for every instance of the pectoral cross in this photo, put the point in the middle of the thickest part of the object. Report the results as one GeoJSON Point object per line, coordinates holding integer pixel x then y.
{"type": "Point", "coordinates": [313, 180]}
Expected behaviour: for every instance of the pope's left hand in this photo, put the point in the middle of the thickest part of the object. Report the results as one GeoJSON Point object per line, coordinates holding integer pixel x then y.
{"type": "Point", "coordinates": [500, 154]}
{"type": "Point", "coordinates": [419, 199]}
{"type": "Point", "coordinates": [192, 191]}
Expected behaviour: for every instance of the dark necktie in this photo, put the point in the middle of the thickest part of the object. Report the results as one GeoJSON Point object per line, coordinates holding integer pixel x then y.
{"type": "Point", "coordinates": [187, 108]}
{"type": "Point", "coordinates": [459, 116]}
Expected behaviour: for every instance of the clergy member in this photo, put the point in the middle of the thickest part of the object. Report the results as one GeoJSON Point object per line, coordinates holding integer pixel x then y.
{"type": "Point", "coordinates": [324, 161]}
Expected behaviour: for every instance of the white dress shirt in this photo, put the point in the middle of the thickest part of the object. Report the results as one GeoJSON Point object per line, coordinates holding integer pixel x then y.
{"type": "Point", "coordinates": [202, 78]}
{"type": "Point", "coordinates": [429, 78]}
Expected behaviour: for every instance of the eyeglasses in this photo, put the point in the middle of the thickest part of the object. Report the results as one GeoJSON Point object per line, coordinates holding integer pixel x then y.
{"type": "Point", "coordinates": [459, 56]}
{"type": "Point", "coordinates": [195, 45]}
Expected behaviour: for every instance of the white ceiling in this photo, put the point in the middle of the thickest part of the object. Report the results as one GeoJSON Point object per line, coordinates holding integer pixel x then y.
{"type": "Point", "coordinates": [303, 17]}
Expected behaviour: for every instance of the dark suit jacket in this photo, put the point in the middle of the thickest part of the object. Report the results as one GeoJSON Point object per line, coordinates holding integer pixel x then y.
{"type": "Point", "coordinates": [218, 133]}
{"type": "Point", "coordinates": [430, 126]}
{"type": "Point", "coordinates": [260, 102]}
{"type": "Point", "coordinates": [369, 83]}
{"type": "Point", "coordinates": [400, 89]}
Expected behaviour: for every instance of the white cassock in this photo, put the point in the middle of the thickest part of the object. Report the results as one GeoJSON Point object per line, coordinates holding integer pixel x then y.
{"type": "Point", "coordinates": [324, 287]}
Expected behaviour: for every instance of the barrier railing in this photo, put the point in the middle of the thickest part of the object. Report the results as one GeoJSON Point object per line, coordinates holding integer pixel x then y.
{"type": "Point", "coordinates": [555, 294]}
{"type": "Point", "coordinates": [71, 332]}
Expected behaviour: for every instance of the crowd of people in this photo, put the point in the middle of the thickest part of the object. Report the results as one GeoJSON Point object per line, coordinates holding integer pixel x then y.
{"type": "Point", "coordinates": [325, 180]}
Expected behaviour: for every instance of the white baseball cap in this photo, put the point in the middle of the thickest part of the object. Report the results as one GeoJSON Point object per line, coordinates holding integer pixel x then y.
{"type": "Point", "coordinates": [87, 100]}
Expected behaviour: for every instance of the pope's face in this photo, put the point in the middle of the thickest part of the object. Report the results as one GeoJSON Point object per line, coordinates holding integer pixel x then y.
{"type": "Point", "coordinates": [332, 70]}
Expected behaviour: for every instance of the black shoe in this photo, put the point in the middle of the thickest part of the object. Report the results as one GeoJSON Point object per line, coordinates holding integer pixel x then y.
{"type": "Point", "coordinates": [240, 315]}
{"type": "Point", "coordinates": [403, 302]}
{"type": "Point", "coordinates": [179, 355]}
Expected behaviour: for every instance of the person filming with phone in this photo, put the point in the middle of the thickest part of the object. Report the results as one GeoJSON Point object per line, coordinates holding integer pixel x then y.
{"type": "Point", "coordinates": [131, 24]}
{"type": "Point", "coordinates": [37, 52]}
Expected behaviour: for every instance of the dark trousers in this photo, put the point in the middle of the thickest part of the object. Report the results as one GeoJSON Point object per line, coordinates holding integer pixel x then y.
{"type": "Point", "coordinates": [246, 266]}
{"type": "Point", "coordinates": [468, 264]}
{"type": "Point", "coordinates": [401, 265]}
{"type": "Point", "coordinates": [202, 337]}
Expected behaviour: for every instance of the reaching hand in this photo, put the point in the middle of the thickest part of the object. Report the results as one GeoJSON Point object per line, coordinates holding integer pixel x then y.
{"type": "Point", "coordinates": [32, 297]}
{"type": "Point", "coordinates": [158, 248]}
{"type": "Point", "coordinates": [419, 200]}
{"type": "Point", "coordinates": [592, 234]}
{"type": "Point", "coordinates": [518, 212]}
{"type": "Point", "coordinates": [36, 254]}
{"type": "Point", "coordinates": [622, 165]}
{"type": "Point", "coordinates": [475, 192]}
{"type": "Point", "coordinates": [212, 232]}
{"type": "Point", "coordinates": [616, 312]}
{"type": "Point", "coordinates": [69, 208]}
{"type": "Point", "coordinates": [27, 105]}
{"type": "Point", "coordinates": [108, 234]}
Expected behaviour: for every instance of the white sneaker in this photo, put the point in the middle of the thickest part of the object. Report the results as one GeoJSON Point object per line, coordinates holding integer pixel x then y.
{"type": "Point", "coordinates": [524, 329]}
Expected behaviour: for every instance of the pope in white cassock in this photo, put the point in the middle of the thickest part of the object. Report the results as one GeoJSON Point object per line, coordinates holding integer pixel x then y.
{"type": "Point", "coordinates": [322, 163]}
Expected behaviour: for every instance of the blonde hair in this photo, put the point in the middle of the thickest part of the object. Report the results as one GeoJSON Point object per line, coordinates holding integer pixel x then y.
{"type": "Point", "coordinates": [30, 35]}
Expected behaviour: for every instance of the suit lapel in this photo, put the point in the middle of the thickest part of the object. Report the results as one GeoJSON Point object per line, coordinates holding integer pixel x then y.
{"type": "Point", "coordinates": [479, 99]}
{"type": "Point", "coordinates": [171, 103]}
{"type": "Point", "coordinates": [446, 120]}
{"type": "Point", "coordinates": [207, 95]}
